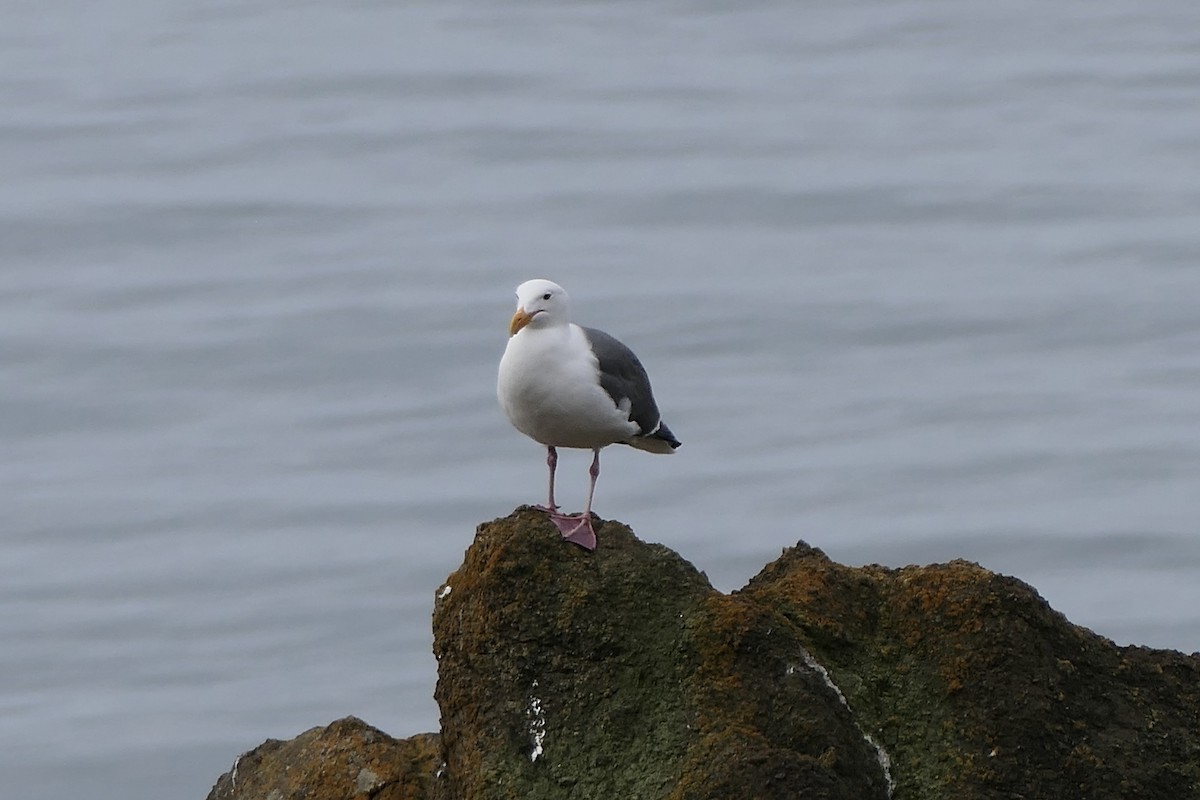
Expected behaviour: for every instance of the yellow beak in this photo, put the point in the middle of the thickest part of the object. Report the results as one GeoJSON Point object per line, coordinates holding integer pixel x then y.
{"type": "Point", "coordinates": [519, 320]}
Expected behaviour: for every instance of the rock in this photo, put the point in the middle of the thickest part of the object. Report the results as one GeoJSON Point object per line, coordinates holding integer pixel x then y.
{"type": "Point", "coordinates": [347, 759]}
{"type": "Point", "coordinates": [622, 673]}
{"type": "Point", "coordinates": [978, 689]}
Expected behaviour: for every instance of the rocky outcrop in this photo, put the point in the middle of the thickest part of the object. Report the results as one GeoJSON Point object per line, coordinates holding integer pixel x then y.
{"type": "Point", "coordinates": [621, 673]}
{"type": "Point", "coordinates": [978, 689]}
{"type": "Point", "coordinates": [347, 759]}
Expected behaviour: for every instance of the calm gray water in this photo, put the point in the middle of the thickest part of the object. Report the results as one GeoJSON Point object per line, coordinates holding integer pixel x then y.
{"type": "Point", "coordinates": [915, 281]}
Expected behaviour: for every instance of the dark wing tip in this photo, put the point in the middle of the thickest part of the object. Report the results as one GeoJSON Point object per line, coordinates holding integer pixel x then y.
{"type": "Point", "coordinates": [665, 434]}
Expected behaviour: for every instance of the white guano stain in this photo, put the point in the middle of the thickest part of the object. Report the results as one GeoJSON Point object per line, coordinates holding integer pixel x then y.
{"type": "Point", "coordinates": [537, 725]}
{"type": "Point", "coordinates": [881, 755]}
{"type": "Point", "coordinates": [885, 761]}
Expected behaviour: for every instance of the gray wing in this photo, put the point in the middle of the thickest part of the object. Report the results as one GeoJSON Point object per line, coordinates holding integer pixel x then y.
{"type": "Point", "coordinates": [623, 376]}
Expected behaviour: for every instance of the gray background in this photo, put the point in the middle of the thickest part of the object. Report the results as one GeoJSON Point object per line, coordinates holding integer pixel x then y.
{"type": "Point", "coordinates": [914, 280]}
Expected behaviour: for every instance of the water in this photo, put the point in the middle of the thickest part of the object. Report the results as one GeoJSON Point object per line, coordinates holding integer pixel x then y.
{"type": "Point", "coordinates": [915, 281]}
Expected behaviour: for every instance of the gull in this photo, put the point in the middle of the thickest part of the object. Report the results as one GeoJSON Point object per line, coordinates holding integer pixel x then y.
{"type": "Point", "coordinates": [565, 385]}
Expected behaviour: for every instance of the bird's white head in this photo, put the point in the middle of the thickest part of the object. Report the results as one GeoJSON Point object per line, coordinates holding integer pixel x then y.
{"type": "Point", "coordinates": [540, 304]}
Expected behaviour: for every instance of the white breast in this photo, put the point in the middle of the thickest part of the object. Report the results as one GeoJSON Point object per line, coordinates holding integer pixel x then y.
{"type": "Point", "coordinates": [550, 389]}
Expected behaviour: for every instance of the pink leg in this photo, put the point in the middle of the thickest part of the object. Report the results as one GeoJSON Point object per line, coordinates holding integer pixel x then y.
{"type": "Point", "coordinates": [551, 462]}
{"type": "Point", "coordinates": [594, 472]}
{"type": "Point", "coordinates": [578, 529]}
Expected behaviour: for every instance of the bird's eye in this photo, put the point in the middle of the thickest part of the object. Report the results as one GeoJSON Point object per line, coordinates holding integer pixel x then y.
{"type": "Point", "coordinates": [546, 296]}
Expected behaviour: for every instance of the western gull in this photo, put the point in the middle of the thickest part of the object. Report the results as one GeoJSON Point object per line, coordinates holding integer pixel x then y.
{"type": "Point", "coordinates": [565, 385]}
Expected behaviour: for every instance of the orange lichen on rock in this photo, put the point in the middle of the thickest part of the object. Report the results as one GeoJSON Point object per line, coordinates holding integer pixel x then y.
{"type": "Point", "coordinates": [621, 673]}
{"type": "Point", "coordinates": [345, 759]}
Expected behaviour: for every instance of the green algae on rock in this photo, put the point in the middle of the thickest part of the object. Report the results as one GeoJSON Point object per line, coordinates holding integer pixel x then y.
{"type": "Point", "coordinates": [621, 673]}
{"type": "Point", "coordinates": [978, 689]}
